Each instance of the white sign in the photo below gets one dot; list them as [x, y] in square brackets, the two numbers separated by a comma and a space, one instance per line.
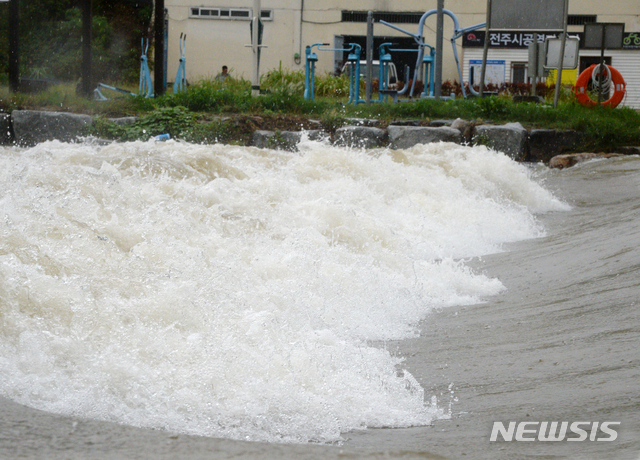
[554, 46]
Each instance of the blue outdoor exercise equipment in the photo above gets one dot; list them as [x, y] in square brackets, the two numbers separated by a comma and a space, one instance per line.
[181, 78]
[429, 60]
[146, 87]
[98, 96]
[383, 73]
[385, 60]
[310, 71]
[353, 58]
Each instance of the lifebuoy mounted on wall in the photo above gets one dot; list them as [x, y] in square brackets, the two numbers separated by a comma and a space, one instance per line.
[613, 77]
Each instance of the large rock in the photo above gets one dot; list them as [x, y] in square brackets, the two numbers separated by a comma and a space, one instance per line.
[510, 139]
[370, 122]
[439, 123]
[360, 137]
[5, 129]
[284, 140]
[569, 159]
[403, 137]
[31, 127]
[465, 127]
[547, 143]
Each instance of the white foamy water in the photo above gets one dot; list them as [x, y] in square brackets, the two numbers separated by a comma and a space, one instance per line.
[235, 292]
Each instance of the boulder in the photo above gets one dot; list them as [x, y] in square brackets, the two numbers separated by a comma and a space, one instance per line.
[360, 137]
[406, 123]
[569, 159]
[510, 139]
[547, 143]
[31, 127]
[439, 123]
[370, 122]
[403, 137]
[5, 129]
[465, 127]
[284, 140]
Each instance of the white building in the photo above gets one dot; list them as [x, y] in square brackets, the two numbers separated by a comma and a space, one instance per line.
[218, 32]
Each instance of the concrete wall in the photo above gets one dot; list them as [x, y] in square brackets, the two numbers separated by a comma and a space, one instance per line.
[212, 43]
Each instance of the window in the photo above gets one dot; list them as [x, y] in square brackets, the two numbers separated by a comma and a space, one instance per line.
[581, 19]
[394, 18]
[241, 14]
[518, 72]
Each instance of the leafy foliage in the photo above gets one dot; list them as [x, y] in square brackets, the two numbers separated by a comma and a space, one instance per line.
[175, 121]
[213, 96]
[283, 81]
[50, 35]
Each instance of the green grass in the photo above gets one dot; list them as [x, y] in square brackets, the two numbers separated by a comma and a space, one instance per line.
[189, 115]
[63, 98]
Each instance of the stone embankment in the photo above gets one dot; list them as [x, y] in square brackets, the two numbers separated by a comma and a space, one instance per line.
[28, 127]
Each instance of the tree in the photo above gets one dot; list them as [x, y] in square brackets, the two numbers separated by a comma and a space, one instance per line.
[51, 32]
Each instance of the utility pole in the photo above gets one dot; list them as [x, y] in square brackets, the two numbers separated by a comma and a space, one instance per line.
[369, 69]
[14, 71]
[556, 95]
[255, 47]
[158, 54]
[485, 49]
[439, 39]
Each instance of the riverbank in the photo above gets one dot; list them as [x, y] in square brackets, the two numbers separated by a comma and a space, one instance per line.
[225, 112]
[30, 127]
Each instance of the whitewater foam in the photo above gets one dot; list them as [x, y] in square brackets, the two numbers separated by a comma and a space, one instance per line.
[231, 291]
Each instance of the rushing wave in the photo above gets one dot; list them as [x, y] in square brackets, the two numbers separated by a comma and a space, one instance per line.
[236, 292]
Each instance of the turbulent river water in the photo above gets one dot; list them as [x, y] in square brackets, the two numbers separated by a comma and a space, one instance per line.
[325, 302]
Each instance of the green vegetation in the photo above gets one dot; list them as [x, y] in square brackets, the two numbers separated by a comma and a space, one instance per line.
[225, 111]
[51, 39]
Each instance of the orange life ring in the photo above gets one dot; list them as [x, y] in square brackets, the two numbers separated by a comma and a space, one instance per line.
[580, 89]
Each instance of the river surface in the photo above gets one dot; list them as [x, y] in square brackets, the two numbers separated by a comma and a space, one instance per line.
[169, 300]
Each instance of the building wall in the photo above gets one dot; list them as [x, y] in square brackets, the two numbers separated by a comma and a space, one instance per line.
[212, 43]
[626, 62]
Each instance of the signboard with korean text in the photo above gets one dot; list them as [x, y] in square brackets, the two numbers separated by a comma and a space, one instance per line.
[505, 39]
[522, 39]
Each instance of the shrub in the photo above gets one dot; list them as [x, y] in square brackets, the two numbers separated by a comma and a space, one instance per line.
[174, 121]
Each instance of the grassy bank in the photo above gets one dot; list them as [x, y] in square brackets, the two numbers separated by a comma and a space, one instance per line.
[213, 111]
